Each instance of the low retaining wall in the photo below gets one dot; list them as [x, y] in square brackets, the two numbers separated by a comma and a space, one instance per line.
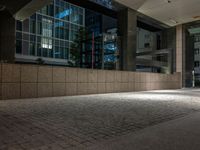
[32, 81]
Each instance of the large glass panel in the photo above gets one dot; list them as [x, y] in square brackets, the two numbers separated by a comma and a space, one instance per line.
[66, 53]
[62, 12]
[18, 46]
[62, 31]
[47, 27]
[39, 52]
[32, 48]
[26, 25]
[39, 24]
[62, 52]
[25, 47]
[191, 76]
[57, 52]
[76, 15]
[26, 37]
[105, 3]
[197, 59]
[19, 25]
[18, 35]
[47, 32]
[32, 26]
[45, 52]
[74, 32]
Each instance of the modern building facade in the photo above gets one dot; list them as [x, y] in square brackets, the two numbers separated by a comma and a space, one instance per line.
[197, 58]
[49, 33]
[105, 35]
[192, 54]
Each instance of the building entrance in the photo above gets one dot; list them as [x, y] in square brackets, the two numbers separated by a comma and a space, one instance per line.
[193, 55]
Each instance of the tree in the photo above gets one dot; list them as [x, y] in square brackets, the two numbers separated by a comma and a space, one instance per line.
[77, 46]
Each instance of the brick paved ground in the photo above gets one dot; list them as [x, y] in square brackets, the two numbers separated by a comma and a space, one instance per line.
[79, 122]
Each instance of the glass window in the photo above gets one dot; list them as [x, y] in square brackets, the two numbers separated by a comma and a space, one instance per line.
[26, 37]
[57, 3]
[33, 17]
[32, 49]
[46, 43]
[39, 28]
[62, 31]
[57, 42]
[196, 63]
[47, 10]
[51, 10]
[44, 52]
[66, 52]
[18, 35]
[62, 51]
[25, 47]
[19, 25]
[66, 31]
[63, 12]
[75, 15]
[57, 52]
[18, 46]
[32, 38]
[39, 50]
[32, 26]
[47, 27]
[26, 25]
[57, 29]
[74, 32]
[51, 53]
[38, 39]
[47, 32]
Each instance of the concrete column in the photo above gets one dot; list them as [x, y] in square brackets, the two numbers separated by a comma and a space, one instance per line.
[7, 37]
[169, 42]
[180, 51]
[127, 24]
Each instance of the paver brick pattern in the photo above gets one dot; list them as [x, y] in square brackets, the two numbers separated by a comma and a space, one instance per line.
[82, 121]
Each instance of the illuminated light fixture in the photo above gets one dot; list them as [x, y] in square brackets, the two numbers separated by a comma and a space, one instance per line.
[196, 17]
[47, 46]
[174, 21]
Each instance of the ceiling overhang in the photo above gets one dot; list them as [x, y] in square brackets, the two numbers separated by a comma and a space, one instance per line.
[22, 9]
[170, 12]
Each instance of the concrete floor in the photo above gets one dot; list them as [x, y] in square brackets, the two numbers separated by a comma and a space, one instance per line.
[178, 134]
[144, 120]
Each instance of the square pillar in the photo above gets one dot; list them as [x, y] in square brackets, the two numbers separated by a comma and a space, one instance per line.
[127, 24]
[7, 37]
[180, 52]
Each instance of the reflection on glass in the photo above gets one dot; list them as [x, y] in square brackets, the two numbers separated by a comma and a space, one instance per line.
[63, 14]
[48, 32]
[110, 51]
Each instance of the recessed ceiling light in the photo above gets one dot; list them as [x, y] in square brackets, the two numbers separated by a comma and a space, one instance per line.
[174, 21]
[168, 1]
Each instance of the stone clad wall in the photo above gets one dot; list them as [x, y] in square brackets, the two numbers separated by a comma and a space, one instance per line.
[31, 81]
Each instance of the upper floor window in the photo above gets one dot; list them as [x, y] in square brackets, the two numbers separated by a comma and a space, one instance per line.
[197, 51]
[196, 64]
